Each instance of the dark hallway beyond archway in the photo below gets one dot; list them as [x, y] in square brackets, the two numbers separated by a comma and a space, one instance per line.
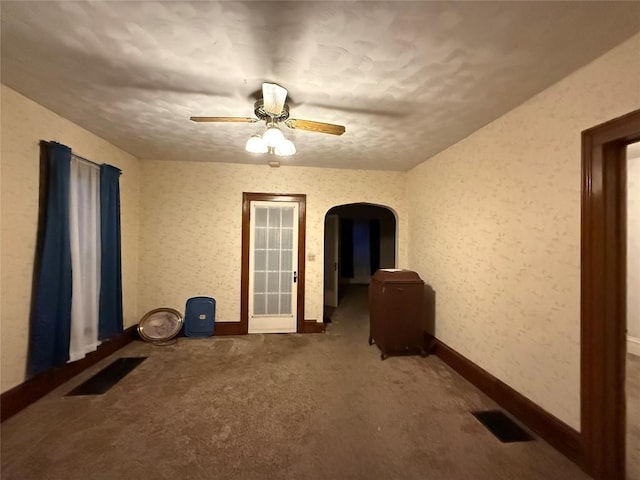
[360, 238]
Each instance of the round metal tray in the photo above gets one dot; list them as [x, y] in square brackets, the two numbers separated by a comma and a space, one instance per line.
[160, 325]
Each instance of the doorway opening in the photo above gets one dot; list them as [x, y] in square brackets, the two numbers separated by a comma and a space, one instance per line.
[604, 294]
[632, 378]
[359, 238]
[273, 266]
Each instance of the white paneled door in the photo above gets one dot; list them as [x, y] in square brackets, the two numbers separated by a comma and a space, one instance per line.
[273, 267]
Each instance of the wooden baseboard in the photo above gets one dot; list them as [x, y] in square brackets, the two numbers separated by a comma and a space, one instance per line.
[555, 432]
[228, 328]
[23, 395]
[235, 328]
[311, 326]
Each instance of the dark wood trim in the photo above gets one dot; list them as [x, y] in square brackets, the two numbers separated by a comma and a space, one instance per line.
[244, 278]
[228, 328]
[554, 431]
[247, 198]
[603, 295]
[42, 205]
[302, 252]
[23, 395]
[311, 326]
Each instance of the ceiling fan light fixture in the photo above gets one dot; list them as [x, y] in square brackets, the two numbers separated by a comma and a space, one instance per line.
[256, 144]
[272, 108]
[286, 148]
[273, 136]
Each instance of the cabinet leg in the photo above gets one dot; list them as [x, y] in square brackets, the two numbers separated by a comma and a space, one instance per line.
[370, 341]
[383, 356]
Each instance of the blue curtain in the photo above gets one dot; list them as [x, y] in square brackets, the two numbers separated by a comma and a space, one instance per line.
[51, 320]
[110, 320]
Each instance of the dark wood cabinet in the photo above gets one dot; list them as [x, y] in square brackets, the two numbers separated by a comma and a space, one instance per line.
[397, 312]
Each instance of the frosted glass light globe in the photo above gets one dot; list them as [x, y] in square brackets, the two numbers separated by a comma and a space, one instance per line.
[256, 144]
[285, 149]
[273, 136]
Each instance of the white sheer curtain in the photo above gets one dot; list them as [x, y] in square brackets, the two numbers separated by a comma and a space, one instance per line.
[84, 223]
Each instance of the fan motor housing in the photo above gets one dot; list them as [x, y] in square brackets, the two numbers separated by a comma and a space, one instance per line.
[263, 115]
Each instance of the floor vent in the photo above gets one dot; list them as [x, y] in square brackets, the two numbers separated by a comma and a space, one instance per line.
[505, 429]
[107, 377]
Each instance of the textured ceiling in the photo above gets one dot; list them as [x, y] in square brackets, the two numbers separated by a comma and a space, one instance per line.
[407, 79]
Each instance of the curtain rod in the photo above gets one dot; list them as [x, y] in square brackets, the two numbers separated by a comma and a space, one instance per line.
[85, 160]
[79, 157]
[91, 162]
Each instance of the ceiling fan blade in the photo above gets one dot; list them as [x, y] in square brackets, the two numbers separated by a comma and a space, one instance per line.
[315, 126]
[273, 98]
[224, 119]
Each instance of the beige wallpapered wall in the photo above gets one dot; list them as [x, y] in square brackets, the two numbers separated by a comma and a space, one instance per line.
[495, 229]
[24, 124]
[191, 215]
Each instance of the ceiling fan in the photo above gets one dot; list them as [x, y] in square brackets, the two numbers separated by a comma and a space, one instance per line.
[273, 109]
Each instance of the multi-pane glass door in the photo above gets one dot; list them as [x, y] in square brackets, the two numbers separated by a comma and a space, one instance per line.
[273, 267]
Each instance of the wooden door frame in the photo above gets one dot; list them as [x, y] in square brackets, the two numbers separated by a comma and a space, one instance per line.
[247, 198]
[337, 253]
[603, 295]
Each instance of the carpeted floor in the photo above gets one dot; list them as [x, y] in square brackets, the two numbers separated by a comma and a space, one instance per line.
[320, 406]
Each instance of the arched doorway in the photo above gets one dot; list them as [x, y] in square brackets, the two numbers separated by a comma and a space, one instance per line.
[359, 239]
